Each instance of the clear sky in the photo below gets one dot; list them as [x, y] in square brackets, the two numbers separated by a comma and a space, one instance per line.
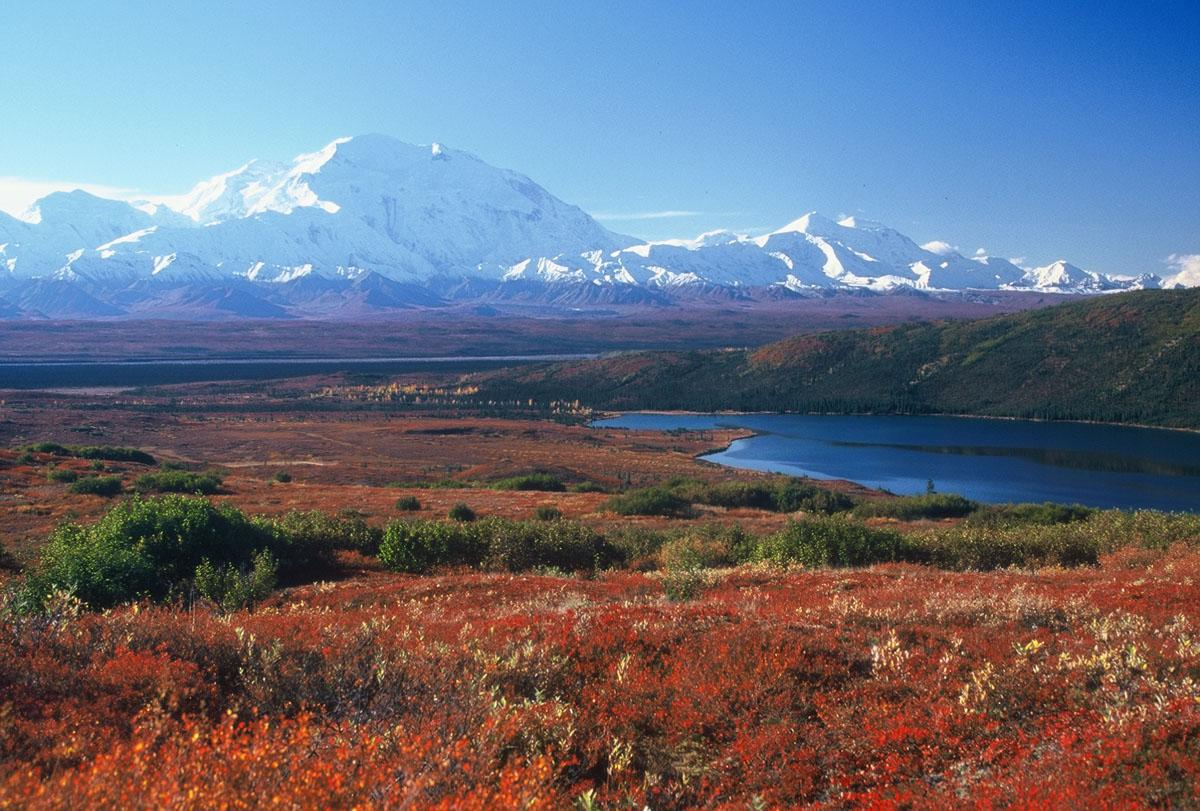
[1041, 130]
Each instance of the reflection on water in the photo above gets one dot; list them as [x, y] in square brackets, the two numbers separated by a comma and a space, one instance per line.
[1058, 457]
[987, 460]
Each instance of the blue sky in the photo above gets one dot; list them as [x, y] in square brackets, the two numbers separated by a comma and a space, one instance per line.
[1040, 130]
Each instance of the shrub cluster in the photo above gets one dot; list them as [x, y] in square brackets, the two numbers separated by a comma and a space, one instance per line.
[63, 475]
[495, 544]
[913, 508]
[105, 452]
[833, 541]
[531, 481]
[106, 486]
[153, 548]
[777, 495]
[177, 481]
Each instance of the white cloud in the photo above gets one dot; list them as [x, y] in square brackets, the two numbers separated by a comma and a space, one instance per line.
[940, 248]
[981, 252]
[1184, 270]
[17, 194]
[659, 215]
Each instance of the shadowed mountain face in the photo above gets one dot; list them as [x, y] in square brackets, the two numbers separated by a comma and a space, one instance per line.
[369, 224]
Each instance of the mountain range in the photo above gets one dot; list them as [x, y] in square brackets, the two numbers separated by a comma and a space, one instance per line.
[370, 224]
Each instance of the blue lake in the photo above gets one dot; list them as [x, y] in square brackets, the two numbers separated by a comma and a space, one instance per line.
[987, 460]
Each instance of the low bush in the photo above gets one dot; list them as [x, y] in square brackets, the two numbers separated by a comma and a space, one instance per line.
[1025, 514]
[991, 547]
[282, 477]
[461, 512]
[912, 508]
[833, 541]
[234, 587]
[531, 481]
[106, 486]
[650, 501]
[416, 547]
[696, 552]
[547, 512]
[106, 452]
[177, 481]
[408, 504]
[495, 544]
[143, 548]
[63, 475]
[587, 487]
[305, 542]
[676, 497]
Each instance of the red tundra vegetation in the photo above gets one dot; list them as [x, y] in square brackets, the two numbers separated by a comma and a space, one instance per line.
[897, 685]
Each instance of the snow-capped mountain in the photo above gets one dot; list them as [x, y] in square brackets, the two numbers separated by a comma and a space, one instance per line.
[344, 222]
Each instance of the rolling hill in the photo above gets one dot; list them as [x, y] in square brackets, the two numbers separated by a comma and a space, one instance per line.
[1128, 357]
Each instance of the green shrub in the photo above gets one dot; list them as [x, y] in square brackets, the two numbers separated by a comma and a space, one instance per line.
[587, 487]
[832, 541]
[495, 544]
[461, 512]
[650, 501]
[233, 587]
[531, 481]
[177, 481]
[697, 552]
[636, 543]
[62, 474]
[283, 477]
[682, 585]
[25, 458]
[105, 452]
[517, 546]
[106, 486]
[305, 542]
[547, 512]
[416, 547]
[408, 504]
[912, 508]
[984, 548]
[1025, 514]
[143, 548]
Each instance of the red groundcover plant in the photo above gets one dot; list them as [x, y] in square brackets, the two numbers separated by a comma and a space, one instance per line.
[893, 686]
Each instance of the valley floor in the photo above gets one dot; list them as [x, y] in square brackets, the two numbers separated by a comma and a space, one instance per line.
[759, 685]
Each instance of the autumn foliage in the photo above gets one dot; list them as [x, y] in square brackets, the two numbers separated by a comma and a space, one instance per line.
[897, 685]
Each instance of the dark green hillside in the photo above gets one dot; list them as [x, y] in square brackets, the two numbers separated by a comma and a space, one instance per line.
[1131, 357]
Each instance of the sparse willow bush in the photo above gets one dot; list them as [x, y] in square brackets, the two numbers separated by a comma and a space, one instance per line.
[1072, 543]
[531, 481]
[547, 512]
[992, 547]
[496, 544]
[105, 486]
[833, 541]
[676, 497]
[696, 552]
[636, 543]
[461, 512]
[63, 475]
[409, 504]
[1025, 514]
[912, 508]
[142, 549]
[650, 501]
[233, 587]
[177, 481]
[518, 546]
[105, 452]
[309, 539]
[416, 547]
